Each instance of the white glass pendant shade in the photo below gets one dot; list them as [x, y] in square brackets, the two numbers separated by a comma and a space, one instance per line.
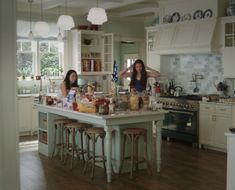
[97, 16]
[65, 22]
[30, 35]
[41, 28]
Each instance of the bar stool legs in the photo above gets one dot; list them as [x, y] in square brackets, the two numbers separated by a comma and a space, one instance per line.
[133, 134]
[72, 129]
[59, 126]
[92, 135]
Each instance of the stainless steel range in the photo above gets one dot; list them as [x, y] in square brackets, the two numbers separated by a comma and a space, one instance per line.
[182, 120]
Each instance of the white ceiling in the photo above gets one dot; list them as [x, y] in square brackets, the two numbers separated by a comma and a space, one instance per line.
[130, 9]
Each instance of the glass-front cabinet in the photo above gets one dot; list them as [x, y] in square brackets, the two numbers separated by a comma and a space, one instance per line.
[151, 38]
[91, 52]
[229, 35]
[228, 31]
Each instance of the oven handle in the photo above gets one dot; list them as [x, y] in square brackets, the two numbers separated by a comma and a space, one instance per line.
[183, 112]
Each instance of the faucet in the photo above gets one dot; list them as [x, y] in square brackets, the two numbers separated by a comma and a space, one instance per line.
[195, 78]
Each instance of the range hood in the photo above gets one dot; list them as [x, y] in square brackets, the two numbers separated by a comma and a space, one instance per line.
[189, 37]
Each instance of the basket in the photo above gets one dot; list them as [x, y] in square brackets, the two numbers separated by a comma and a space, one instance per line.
[87, 108]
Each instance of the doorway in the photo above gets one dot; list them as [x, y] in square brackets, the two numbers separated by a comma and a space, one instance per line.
[128, 60]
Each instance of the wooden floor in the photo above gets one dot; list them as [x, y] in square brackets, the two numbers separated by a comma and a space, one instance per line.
[183, 168]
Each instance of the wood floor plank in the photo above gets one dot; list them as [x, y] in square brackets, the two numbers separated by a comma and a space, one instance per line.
[183, 168]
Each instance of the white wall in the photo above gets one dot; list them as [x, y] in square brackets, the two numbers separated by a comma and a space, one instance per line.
[9, 158]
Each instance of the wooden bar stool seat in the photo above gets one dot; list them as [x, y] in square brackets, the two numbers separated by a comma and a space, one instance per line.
[59, 128]
[71, 130]
[134, 134]
[93, 134]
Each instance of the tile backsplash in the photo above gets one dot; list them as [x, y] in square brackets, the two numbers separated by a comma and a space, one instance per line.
[180, 68]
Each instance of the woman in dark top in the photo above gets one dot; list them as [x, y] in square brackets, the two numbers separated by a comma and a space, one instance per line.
[139, 75]
[70, 82]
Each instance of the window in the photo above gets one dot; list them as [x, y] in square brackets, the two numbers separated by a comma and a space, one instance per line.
[25, 57]
[129, 59]
[39, 58]
[50, 56]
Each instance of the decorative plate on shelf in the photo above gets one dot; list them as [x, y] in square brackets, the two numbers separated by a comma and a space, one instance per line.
[207, 13]
[186, 17]
[167, 19]
[198, 14]
[175, 17]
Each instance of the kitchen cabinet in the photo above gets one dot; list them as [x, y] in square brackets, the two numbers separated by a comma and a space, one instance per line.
[228, 31]
[196, 36]
[214, 120]
[91, 52]
[27, 116]
[24, 114]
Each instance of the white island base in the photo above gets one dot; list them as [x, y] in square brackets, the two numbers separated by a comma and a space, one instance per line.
[113, 126]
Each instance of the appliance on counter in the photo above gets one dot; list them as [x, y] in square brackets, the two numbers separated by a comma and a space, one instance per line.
[182, 120]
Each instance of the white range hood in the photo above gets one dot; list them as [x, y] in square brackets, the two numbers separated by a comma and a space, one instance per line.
[189, 37]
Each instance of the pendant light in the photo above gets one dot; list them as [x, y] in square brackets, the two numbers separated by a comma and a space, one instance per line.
[41, 28]
[97, 15]
[30, 35]
[65, 22]
[60, 36]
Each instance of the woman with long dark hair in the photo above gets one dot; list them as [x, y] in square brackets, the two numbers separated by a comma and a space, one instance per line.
[139, 75]
[70, 82]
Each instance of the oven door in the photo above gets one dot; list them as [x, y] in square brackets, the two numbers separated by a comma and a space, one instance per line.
[181, 121]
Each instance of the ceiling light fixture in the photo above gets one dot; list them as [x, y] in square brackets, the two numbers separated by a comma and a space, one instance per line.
[97, 15]
[60, 36]
[30, 35]
[41, 28]
[65, 22]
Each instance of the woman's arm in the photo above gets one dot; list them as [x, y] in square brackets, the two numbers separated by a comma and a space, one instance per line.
[125, 73]
[152, 72]
[63, 89]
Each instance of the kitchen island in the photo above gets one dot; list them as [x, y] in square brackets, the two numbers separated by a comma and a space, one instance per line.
[152, 120]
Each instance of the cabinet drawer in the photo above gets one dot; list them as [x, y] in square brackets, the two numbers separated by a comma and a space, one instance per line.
[225, 110]
[207, 108]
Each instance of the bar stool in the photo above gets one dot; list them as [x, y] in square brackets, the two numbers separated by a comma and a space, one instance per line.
[93, 134]
[59, 126]
[134, 134]
[72, 129]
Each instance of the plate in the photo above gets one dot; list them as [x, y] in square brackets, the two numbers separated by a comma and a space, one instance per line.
[167, 19]
[198, 14]
[175, 17]
[186, 17]
[207, 13]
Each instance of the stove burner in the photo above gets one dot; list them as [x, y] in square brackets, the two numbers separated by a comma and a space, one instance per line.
[185, 103]
[186, 97]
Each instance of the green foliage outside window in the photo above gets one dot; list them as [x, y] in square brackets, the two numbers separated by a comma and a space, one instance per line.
[50, 64]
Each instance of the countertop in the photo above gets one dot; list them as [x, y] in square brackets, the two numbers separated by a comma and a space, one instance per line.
[34, 95]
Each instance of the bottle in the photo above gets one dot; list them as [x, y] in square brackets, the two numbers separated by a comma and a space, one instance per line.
[111, 106]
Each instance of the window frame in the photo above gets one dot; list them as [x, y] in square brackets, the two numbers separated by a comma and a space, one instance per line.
[36, 64]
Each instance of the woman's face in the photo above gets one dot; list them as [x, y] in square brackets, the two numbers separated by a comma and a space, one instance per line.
[73, 77]
[138, 67]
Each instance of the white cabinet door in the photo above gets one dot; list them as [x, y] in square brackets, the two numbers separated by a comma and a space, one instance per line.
[206, 129]
[24, 114]
[228, 62]
[223, 123]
